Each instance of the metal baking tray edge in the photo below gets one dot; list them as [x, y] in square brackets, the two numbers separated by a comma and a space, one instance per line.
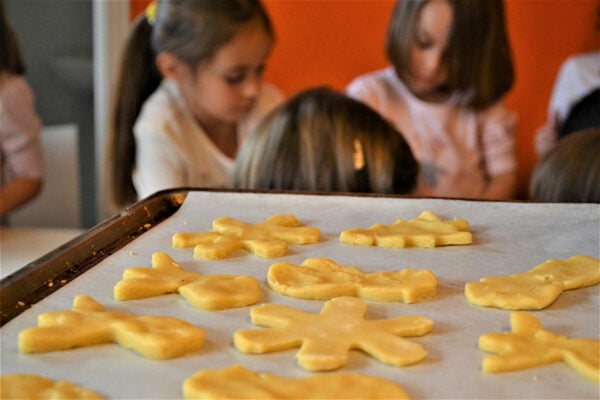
[43, 276]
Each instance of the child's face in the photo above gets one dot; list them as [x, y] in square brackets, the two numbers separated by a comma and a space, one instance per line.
[427, 69]
[225, 89]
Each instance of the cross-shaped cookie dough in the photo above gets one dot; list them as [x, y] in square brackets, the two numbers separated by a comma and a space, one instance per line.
[268, 239]
[323, 279]
[326, 338]
[427, 231]
[209, 292]
[529, 345]
[88, 324]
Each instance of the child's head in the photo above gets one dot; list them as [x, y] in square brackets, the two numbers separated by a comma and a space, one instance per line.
[458, 46]
[322, 140]
[214, 50]
[571, 171]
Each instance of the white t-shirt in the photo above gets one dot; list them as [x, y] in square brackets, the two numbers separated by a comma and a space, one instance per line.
[172, 150]
[458, 149]
[578, 76]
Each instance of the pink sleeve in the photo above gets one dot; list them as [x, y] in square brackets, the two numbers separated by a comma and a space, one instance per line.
[498, 139]
[20, 128]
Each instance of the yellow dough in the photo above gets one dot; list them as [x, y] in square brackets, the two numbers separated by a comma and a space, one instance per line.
[209, 292]
[236, 382]
[323, 279]
[427, 231]
[326, 338]
[528, 345]
[537, 288]
[268, 239]
[26, 386]
[89, 324]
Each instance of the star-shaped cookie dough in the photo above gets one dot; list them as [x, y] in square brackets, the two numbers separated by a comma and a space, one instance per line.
[237, 382]
[88, 324]
[537, 288]
[209, 292]
[426, 231]
[326, 338]
[529, 345]
[268, 239]
[323, 279]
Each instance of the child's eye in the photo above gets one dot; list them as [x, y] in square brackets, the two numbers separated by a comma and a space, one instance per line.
[235, 79]
[423, 44]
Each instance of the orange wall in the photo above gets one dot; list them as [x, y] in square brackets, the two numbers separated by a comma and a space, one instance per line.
[329, 42]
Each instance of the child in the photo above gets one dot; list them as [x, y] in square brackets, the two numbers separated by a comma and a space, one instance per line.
[190, 90]
[21, 154]
[451, 66]
[571, 171]
[322, 140]
[574, 103]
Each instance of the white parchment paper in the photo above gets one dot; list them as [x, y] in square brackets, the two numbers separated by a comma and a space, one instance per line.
[508, 238]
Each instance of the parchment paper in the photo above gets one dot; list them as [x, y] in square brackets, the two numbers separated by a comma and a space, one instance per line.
[508, 238]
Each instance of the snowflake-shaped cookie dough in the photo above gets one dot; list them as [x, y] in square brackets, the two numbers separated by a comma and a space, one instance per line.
[528, 345]
[326, 338]
[268, 239]
[537, 288]
[237, 382]
[154, 337]
[323, 279]
[427, 231]
[209, 292]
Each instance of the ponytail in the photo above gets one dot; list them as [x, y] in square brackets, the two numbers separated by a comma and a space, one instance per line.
[138, 79]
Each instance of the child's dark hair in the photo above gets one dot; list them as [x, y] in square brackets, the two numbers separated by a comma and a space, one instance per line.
[322, 140]
[571, 171]
[479, 58]
[191, 30]
[10, 54]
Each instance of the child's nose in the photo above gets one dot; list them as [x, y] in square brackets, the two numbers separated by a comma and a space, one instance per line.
[252, 86]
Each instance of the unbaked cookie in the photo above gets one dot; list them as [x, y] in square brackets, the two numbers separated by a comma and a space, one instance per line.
[323, 279]
[529, 345]
[89, 324]
[237, 382]
[268, 239]
[208, 292]
[28, 386]
[427, 231]
[537, 288]
[326, 338]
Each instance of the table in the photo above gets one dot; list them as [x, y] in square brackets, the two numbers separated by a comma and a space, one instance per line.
[19, 245]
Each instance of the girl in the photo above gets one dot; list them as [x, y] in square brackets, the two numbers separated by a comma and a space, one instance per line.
[189, 92]
[321, 140]
[21, 153]
[451, 67]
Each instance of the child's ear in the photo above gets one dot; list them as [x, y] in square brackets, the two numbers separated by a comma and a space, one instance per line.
[170, 66]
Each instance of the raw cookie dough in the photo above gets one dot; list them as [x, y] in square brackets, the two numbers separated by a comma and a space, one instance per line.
[26, 386]
[323, 279]
[537, 288]
[209, 292]
[268, 239]
[427, 231]
[529, 345]
[89, 324]
[236, 382]
[326, 338]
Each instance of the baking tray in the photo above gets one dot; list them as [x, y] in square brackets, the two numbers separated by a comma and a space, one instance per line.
[509, 237]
